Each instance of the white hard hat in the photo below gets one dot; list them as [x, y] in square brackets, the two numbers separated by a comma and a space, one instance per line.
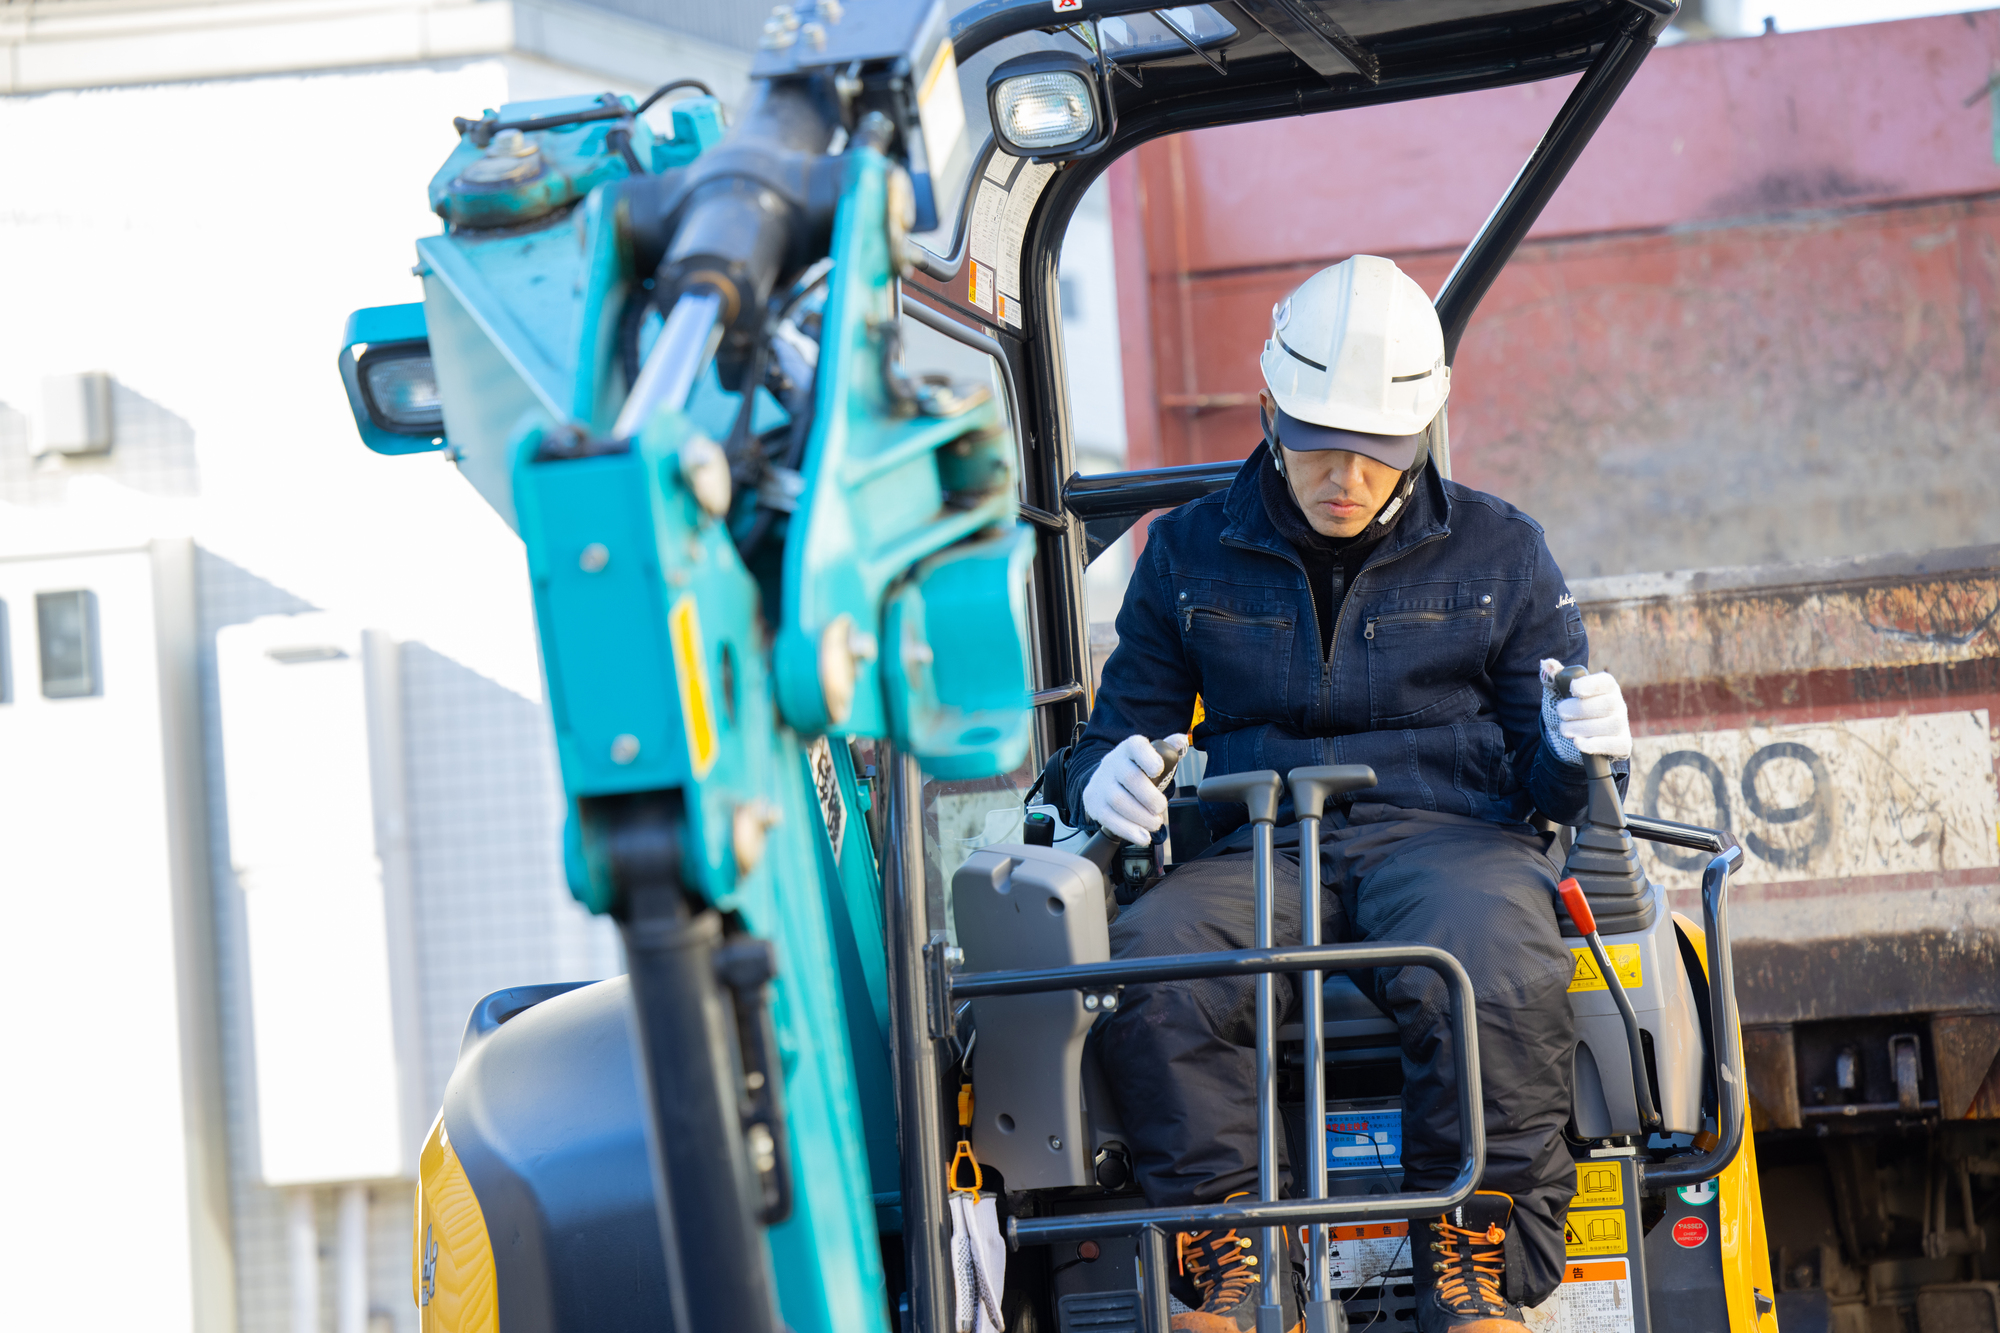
[1356, 361]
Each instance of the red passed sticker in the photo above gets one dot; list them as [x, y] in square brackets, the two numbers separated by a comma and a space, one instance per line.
[1690, 1232]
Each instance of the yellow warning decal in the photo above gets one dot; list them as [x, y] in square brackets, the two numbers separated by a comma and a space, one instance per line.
[1595, 1232]
[1624, 957]
[1601, 1270]
[1599, 1185]
[691, 674]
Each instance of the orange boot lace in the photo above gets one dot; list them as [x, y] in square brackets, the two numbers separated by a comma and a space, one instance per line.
[1220, 1262]
[1469, 1267]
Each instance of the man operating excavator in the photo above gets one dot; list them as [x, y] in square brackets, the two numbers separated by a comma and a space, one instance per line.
[1342, 603]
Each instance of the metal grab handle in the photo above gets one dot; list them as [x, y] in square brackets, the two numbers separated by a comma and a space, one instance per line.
[1258, 791]
[1247, 962]
[1311, 788]
[1731, 1113]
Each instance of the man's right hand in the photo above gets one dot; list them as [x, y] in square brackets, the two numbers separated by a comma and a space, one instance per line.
[1121, 795]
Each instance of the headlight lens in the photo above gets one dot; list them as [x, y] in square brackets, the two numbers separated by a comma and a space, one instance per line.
[403, 393]
[1045, 111]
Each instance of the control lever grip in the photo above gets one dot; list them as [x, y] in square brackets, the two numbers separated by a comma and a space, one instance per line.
[1312, 788]
[1102, 847]
[1256, 790]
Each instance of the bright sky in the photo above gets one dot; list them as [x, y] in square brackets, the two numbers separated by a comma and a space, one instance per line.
[1798, 15]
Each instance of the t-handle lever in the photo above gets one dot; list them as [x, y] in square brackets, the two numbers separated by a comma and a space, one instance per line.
[1257, 790]
[1312, 788]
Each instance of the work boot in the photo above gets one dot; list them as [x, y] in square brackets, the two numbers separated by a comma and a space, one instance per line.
[1227, 1276]
[1461, 1265]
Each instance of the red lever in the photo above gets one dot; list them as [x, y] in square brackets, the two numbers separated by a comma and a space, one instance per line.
[1578, 905]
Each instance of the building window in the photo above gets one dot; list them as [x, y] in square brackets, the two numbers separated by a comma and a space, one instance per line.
[67, 625]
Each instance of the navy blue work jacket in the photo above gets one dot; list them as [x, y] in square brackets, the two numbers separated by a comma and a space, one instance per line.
[1434, 675]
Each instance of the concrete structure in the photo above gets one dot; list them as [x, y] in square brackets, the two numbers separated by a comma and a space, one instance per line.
[1751, 327]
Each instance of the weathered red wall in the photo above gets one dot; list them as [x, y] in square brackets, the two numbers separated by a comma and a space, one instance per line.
[1751, 326]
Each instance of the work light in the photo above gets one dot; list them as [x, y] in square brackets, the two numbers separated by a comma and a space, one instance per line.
[1044, 106]
[399, 384]
[385, 362]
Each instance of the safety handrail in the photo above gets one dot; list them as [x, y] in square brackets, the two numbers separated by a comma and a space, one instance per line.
[1730, 1094]
[1252, 962]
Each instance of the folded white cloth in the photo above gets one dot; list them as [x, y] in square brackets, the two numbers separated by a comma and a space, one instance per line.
[978, 1263]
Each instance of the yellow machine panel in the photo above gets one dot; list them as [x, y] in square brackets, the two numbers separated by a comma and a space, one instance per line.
[1746, 1251]
[452, 1260]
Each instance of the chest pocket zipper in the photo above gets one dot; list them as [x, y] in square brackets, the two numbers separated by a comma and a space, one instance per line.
[1424, 617]
[1188, 613]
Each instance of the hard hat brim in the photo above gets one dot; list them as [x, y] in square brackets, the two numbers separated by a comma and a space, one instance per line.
[1397, 451]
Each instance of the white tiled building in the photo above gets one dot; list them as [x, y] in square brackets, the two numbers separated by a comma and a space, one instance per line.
[192, 198]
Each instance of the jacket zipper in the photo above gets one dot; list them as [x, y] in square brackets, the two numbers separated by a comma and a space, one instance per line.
[1402, 617]
[1346, 600]
[1230, 617]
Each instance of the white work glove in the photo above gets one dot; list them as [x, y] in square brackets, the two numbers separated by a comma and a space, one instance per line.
[1121, 796]
[1591, 721]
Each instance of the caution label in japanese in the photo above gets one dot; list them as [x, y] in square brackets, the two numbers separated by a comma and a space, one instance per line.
[1595, 1297]
[1595, 1232]
[1366, 1256]
[1624, 957]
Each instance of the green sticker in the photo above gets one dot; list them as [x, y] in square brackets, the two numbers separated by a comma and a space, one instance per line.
[1697, 1195]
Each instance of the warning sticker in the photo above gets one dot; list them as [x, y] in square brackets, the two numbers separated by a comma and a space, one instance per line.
[1595, 1297]
[1365, 1256]
[1595, 1232]
[1009, 189]
[1624, 957]
[1599, 1185]
[691, 675]
[982, 286]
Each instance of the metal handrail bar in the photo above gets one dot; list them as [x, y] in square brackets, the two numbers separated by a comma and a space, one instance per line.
[1196, 966]
[1674, 834]
[1141, 491]
[1254, 962]
[1730, 1093]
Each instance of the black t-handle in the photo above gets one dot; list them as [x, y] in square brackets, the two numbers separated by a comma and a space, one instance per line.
[1605, 806]
[1258, 790]
[1313, 787]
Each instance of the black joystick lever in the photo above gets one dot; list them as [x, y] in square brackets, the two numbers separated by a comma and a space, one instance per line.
[1603, 860]
[1103, 847]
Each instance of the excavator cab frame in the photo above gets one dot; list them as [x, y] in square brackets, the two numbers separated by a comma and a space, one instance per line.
[673, 364]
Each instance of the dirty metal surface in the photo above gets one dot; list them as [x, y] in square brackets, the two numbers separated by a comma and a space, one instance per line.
[1837, 718]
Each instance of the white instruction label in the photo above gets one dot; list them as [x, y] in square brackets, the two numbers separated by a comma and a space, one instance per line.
[1595, 1297]
[1009, 189]
[1365, 1255]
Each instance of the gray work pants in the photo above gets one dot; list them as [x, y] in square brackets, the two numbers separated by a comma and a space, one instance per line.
[1181, 1058]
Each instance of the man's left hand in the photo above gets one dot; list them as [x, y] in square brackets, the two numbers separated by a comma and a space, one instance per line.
[1592, 720]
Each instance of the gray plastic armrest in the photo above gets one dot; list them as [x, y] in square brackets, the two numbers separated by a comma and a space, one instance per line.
[1313, 787]
[1257, 790]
